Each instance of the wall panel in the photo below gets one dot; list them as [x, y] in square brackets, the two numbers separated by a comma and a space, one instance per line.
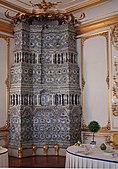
[114, 74]
[2, 82]
[95, 80]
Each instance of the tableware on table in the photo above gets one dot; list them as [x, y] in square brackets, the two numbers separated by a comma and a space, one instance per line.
[109, 152]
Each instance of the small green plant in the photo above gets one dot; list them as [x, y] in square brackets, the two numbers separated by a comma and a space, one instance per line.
[94, 127]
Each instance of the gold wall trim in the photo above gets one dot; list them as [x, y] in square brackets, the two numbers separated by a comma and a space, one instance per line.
[114, 46]
[83, 39]
[7, 39]
[101, 23]
[13, 6]
[85, 4]
[6, 27]
[7, 8]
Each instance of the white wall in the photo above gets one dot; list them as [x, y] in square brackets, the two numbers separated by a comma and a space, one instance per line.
[2, 82]
[99, 11]
[3, 76]
[96, 90]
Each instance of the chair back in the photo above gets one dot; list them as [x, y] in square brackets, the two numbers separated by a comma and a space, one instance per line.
[115, 140]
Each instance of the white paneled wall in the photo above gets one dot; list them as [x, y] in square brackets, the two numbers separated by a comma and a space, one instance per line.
[95, 74]
[3, 65]
[96, 62]
[3, 76]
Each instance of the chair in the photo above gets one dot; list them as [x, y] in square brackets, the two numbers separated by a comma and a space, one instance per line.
[115, 141]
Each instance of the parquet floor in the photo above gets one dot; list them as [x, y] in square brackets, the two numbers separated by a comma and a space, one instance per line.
[37, 162]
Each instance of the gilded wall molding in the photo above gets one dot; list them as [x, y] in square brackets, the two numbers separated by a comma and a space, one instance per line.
[114, 63]
[6, 27]
[97, 24]
[114, 36]
[83, 39]
[7, 39]
[13, 6]
[86, 4]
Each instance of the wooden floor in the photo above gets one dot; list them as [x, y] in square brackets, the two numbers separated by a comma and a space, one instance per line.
[37, 162]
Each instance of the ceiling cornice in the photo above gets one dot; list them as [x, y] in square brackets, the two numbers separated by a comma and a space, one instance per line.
[6, 27]
[13, 6]
[101, 23]
[86, 4]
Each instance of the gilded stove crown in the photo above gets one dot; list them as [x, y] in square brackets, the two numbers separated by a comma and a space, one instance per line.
[44, 12]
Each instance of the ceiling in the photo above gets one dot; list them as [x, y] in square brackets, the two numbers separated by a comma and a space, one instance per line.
[73, 6]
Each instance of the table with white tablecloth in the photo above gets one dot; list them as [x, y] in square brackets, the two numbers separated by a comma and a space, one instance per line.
[3, 157]
[76, 157]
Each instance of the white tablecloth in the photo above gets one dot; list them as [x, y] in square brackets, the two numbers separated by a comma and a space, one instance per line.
[3, 157]
[95, 159]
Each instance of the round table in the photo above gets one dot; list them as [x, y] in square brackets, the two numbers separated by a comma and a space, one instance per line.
[77, 157]
[3, 157]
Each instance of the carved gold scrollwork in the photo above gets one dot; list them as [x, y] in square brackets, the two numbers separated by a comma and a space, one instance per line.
[84, 126]
[107, 80]
[108, 125]
[44, 12]
[115, 109]
[115, 87]
[83, 83]
[7, 83]
[45, 5]
[114, 36]
[5, 128]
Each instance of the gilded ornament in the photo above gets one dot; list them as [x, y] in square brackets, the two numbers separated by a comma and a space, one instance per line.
[56, 148]
[43, 13]
[34, 150]
[115, 89]
[5, 128]
[45, 5]
[108, 125]
[20, 152]
[45, 147]
[114, 36]
[107, 80]
[83, 82]
[115, 109]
